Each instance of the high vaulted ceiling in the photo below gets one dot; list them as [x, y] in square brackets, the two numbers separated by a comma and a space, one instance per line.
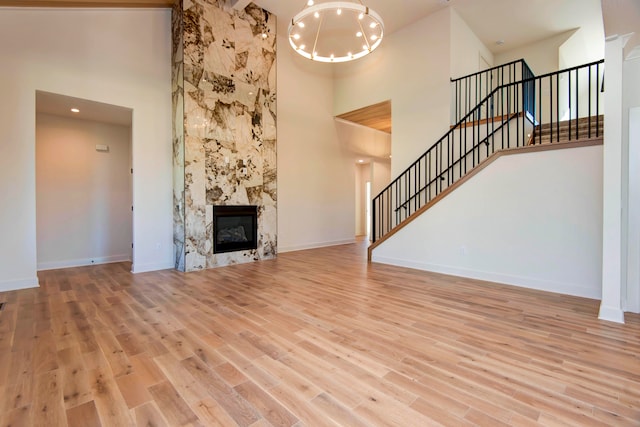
[516, 22]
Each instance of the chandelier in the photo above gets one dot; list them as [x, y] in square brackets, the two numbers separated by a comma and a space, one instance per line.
[335, 31]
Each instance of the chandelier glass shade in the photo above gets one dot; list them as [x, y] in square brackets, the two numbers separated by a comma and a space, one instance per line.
[335, 31]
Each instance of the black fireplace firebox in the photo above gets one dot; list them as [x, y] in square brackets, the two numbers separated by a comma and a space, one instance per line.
[235, 228]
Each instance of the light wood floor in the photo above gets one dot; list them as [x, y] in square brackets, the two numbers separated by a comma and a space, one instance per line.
[315, 338]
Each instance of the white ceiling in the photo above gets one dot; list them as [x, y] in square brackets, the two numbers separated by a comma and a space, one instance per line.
[622, 17]
[517, 22]
[61, 105]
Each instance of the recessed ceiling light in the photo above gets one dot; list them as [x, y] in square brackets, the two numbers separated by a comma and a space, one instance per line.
[360, 161]
[75, 110]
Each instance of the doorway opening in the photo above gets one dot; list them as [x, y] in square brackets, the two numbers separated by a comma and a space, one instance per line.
[84, 209]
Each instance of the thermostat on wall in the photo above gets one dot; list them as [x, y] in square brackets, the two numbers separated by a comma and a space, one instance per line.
[102, 147]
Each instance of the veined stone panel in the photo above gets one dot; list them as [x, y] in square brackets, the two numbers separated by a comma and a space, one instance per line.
[177, 94]
[229, 126]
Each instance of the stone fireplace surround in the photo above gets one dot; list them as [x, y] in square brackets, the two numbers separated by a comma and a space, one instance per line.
[224, 92]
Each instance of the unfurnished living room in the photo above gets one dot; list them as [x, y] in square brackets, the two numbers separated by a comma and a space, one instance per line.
[320, 213]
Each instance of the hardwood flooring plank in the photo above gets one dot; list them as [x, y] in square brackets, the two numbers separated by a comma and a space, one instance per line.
[84, 415]
[338, 413]
[133, 390]
[18, 417]
[149, 415]
[312, 338]
[172, 406]
[75, 388]
[47, 403]
[110, 404]
[269, 408]
[190, 389]
[233, 403]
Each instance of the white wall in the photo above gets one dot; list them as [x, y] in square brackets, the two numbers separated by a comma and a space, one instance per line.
[631, 146]
[541, 56]
[466, 48]
[363, 175]
[316, 179]
[531, 220]
[380, 176]
[120, 57]
[633, 235]
[411, 68]
[584, 46]
[83, 196]
[363, 142]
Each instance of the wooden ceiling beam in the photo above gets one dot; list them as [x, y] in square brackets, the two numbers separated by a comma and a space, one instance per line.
[88, 3]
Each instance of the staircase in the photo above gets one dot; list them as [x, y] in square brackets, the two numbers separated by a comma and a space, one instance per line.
[502, 108]
[568, 130]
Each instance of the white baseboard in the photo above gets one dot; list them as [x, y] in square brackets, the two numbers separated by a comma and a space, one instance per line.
[53, 265]
[507, 279]
[14, 285]
[612, 314]
[283, 249]
[151, 266]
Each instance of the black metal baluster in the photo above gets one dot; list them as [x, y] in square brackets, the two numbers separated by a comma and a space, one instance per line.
[538, 102]
[418, 185]
[460, 148]
[577, 104]
[373, 219]
[597, 100]
[449, 157]
[589, 109]
[569, 106]
[557, 106]
[428, 182]
[550, 110]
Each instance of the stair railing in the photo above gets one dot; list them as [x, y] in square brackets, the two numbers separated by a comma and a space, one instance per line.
[567, 104]
[519, 110]
[469, 90]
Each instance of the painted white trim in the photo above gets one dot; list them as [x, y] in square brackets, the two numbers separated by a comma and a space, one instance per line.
[152, 266]
[82, 262]
[14, 285]
[315, 245]
[507, 279]
[611, 314]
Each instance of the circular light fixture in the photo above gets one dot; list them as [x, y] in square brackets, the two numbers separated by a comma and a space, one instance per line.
[334, 31]
[75, 110]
